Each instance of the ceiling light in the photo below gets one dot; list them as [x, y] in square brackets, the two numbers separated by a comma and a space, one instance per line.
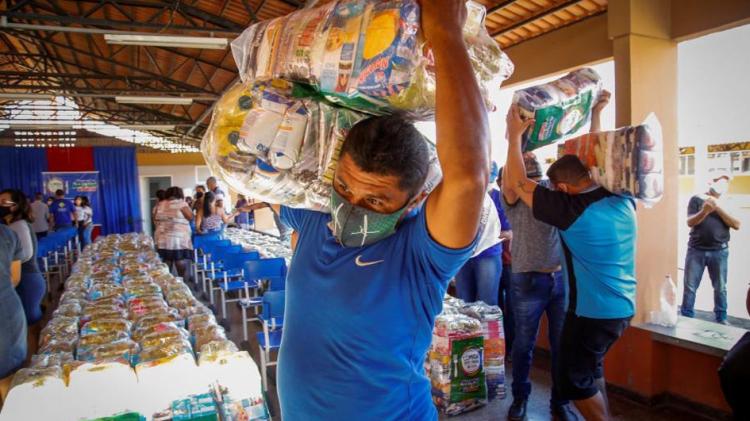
[164, 127]
[171, 100]
[168, 41]
[31, 97]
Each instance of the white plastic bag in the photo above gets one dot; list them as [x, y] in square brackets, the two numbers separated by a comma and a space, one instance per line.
[666, 315]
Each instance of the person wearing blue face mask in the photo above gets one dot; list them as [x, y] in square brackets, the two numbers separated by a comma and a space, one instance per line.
[708, 247]
[366, 282]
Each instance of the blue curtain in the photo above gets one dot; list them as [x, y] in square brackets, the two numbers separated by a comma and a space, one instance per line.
[118, 177]
[21, 168]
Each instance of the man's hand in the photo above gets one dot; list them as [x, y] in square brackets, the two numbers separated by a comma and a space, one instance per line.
[443, 19]
[516, 125]
[709, 205]
[596, 111]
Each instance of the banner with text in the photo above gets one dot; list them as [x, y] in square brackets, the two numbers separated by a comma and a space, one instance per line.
[75, 184]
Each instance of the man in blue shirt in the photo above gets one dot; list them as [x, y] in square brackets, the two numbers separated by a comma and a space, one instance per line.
[63, 211]
[598, 233]
[366, 282]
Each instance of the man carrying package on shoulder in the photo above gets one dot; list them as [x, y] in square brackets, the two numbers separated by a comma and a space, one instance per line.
[598, 236]
[368, 280]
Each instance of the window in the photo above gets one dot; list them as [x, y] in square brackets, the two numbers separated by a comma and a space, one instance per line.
[687, 165]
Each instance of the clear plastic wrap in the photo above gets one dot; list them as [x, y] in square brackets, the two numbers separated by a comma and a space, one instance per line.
[51, 360]
[627, 161]
[214, 350]
[559, 108]
[365, 55]
[158, 328]
[491, 318]
[123, 351]
[163, 354]
[105, 325]
[101, 338]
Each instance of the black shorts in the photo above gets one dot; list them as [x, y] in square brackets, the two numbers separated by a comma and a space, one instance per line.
[583, 345]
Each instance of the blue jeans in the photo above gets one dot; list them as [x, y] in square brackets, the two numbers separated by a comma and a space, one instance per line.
[716, 262]
[506, 305]
[479, 279]
[84, 234]
[533, 293]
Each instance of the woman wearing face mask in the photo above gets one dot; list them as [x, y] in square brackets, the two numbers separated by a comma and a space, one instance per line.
[84, 220]
[16, 213]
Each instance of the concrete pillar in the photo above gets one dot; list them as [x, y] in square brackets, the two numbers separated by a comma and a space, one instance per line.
[646, 81]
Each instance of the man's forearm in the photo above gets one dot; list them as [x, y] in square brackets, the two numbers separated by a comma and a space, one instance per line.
[728, 219]
[463, 149]
[696, 219]
[596, 123]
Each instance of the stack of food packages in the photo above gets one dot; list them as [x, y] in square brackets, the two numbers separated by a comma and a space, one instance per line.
[627, 161]
[466, 362]
[310, 76]
[559, 108]
[266, 245]
[121, 305]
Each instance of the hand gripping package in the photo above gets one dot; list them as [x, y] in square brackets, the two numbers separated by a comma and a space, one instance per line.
[626, 161]
[559, 108]
[366, 55]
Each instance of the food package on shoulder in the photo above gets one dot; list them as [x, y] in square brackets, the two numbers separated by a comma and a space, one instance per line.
[627, 161]
[364, 55]
[559, 108]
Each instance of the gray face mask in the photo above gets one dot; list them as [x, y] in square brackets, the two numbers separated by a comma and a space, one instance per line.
[354, 226]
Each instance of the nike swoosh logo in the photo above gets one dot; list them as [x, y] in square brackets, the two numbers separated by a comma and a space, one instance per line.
[362, 264]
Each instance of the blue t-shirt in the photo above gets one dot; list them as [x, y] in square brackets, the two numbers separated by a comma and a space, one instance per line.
[61, 210]
[598, 231]
[358, 322]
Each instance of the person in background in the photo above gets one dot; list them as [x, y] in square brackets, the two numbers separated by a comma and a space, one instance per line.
[244, 219]
[84, 220]
[189, 201]
[598, 233]
[734, 374]
[50, 200]
[63, 211]
[16, 213]
[536, 287]
[503, 297]
[708, 247]
[479, 278]
[161, 195]
[13, 336]
[214, 188]
[200, 188]
[198, 202]
[211, 216]
[173, 238]
[40, 212]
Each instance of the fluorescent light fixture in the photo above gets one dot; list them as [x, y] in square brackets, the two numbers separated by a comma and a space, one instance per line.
[148, 126]
[41, 126]
[170, 100]
[168, 41]
[30, 97]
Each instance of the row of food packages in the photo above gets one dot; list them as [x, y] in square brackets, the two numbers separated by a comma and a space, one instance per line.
[121, 304]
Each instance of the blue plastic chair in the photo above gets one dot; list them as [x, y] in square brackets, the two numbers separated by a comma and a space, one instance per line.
[273, 271]
[270, 339]
[231, 277]
[205, 263]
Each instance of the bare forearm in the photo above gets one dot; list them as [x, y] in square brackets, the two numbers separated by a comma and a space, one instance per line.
[596, 123]
[696, 219]
[521, 185]
[463, 149]
[728, 219]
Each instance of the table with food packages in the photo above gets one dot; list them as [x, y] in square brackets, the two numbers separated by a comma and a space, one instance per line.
[129, 341]
[268, 246]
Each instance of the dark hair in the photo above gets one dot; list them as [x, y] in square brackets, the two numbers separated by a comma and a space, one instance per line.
[85, 202]
[38, 196]
[569, 169]
[208, 200]
[161, 194]
[23, 208]
[59, 192]
[211, 179]
[175, 192]
[199, 195]
[200, 186]
[389, 145]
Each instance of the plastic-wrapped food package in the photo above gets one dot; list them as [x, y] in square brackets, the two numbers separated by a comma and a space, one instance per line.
[159, 318]
[59, 344]
[36, 376]
[626, 161]
[208, 333]
[211, 351]
[365, 55]
[51, 360]
[161, 354]
[101, 338]
[156, 339]
[199, 320]
[559, 108]
[457, 364]
[491, 318]
[105, 325]
[123, 351]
